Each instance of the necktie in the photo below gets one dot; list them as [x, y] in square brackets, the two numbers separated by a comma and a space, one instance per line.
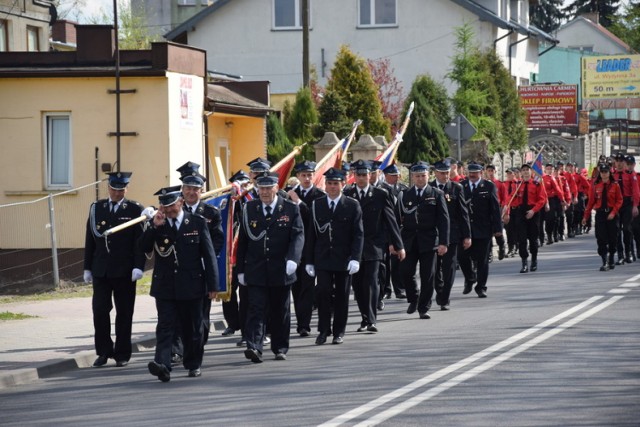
[440, 186]
[473, 187]
[605, 203]
[303, 193]
[189, 209]
[525, 194]
[419, 192]
[332, 206]
[174, 226]
[361, 194]
[112, 206]
[267, 210]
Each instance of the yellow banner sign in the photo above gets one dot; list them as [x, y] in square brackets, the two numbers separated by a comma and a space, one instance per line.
[613, 76]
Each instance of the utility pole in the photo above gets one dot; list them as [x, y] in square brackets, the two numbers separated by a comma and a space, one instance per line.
[305, 43]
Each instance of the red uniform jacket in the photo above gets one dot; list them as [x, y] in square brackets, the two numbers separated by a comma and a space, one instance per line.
[572, 184]
[582, 183]
[536, 195]
[628, 183]
[614, 198]
[552, 187]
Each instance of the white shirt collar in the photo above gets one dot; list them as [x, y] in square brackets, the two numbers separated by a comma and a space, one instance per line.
[273, 204]
[179, 218]
[193, 207]
[336, 200]
[365, 189]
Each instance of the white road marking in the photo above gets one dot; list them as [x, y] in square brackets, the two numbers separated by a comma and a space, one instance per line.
[619, 291]
[403, 406]
[382, 400]
[634, 278]
[630, 285]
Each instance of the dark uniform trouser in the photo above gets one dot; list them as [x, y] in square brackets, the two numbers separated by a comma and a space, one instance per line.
[552, 217]
[579, 212]
[188, 313]
[427, 277]
[124, 297]
[396, 277]
[366, 289]
[478, 252]
[332, 295]
[528, 232]
[270, 304]
[512, 231]
[606, 234]
[635, 227]
[235, 310]
[446, 274]
[569, 214]
[303, 290]
[625, 235]
[384, 274]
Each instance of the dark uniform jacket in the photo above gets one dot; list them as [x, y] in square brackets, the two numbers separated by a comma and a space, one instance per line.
[458, 208]
[118, 254]
[211, 214]
[378, 221]
[424, 220]
[334, 238]
[484, 209]
[185, 266]
[265, 246]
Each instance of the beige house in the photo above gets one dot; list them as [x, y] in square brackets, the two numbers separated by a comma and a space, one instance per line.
[24, 25]
[58, 121]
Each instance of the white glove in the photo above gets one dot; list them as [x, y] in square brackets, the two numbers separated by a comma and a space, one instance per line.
[291, 267]
[136, 274]
[353, 267]
[87, 276]
[241, 279]
[149, 212]
[310, 269]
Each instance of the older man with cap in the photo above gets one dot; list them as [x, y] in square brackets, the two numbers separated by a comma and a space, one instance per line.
[192, 186]
[185, 273]
[303, 288]
[394, 186]
[270, 245]
[486, 222]
[113, 264]
[334, 241]
[425, 234]
[380, 226]
[459, 232]
[530, 199]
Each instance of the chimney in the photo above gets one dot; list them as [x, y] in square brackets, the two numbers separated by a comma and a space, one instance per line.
[64, 31]
[96, 44]
[592, 16]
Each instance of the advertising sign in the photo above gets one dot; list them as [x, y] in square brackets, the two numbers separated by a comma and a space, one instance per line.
[550, 106]
[611, 77]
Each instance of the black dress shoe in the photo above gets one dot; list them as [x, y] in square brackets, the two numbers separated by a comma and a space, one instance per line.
[413, 306]
[467, 287]
[605, 267]
[253, 355]
[372, 328]
[534, 266]
[100, 361]
[228, 331]
[380, 305]
[444, 307]
[121, 363]
[160, 371]
[241, 343]
[425, 315]
[525, 268]
[304, 332]
[501, 253]
[628, 259]
[362, 328]
[481, 293]
[193, 373]
[321, 339]
[387, 295]
[401, 296]
[337, 340]
[281, 356]
[620, 261]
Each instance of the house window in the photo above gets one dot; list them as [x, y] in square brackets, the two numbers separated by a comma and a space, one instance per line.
[287, 14]
[58, 150]
[4, 43]
[186, 2]
[33, 39]
[377, 13]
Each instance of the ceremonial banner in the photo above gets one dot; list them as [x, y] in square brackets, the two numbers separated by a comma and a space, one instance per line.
[334, 157]
[225, 204]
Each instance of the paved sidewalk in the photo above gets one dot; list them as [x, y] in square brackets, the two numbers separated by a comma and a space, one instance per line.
[61, 336]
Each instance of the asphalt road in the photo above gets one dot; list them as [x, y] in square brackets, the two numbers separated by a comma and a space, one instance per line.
[559, 347]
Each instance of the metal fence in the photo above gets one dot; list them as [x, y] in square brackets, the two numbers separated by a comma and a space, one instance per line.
[41, 240]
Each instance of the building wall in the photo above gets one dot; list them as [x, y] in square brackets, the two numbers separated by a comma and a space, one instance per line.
[582, 34]
[19, 15]
[422, 43]
[152, 112]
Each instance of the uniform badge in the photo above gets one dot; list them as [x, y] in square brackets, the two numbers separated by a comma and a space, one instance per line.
[103, 222]
[166, 241]
[254, 224]
[186, 220]
[446, 196]
[162, 248]
[410, 203]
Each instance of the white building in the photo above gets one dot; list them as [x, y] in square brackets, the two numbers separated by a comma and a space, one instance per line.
[262, 39]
